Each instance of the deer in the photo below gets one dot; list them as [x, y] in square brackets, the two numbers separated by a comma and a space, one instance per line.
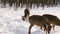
[26, 14]
[54, 20]
[36, 20]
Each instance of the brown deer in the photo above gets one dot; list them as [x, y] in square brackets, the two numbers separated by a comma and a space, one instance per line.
[52, 19]
[26, 14]
[36, 20]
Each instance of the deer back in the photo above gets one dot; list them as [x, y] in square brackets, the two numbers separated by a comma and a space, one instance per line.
[52, 19]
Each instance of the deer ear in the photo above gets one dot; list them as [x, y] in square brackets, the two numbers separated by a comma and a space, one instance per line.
[23, 18]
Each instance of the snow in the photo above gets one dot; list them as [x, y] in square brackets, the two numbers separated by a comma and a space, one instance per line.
[11, 21]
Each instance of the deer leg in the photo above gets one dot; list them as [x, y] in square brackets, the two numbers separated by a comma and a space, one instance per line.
[49, 29]
[41, 28]
[53, 27]
[45, 28]
[30, 29]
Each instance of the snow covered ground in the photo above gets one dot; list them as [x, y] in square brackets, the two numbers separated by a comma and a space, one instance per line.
[11, 21]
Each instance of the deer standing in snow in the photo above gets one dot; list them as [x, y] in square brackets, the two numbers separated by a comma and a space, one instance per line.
[36, 20]
[52, 20]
